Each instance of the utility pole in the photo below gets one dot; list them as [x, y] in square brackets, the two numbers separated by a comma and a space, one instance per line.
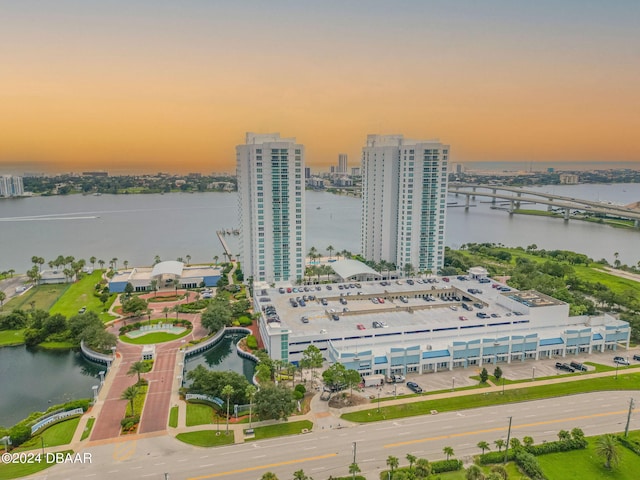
[506, 450]
[626, 428]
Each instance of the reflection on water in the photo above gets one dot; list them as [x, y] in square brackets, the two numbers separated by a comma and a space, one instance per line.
[223, 357]
[34, 379]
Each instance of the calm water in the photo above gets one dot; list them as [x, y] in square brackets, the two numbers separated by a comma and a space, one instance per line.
[33, 380]
[138, 227]
[223, 357]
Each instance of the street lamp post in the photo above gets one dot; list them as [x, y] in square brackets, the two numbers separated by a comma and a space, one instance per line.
[378, 400]
[42, 443]
[502, 385]
[354, 459]
[617, 364]
[533, 374]
[453, 383]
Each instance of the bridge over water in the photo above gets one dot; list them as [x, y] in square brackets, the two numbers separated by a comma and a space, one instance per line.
[517, 196]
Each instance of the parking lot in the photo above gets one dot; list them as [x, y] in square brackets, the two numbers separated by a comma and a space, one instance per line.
[529, 369]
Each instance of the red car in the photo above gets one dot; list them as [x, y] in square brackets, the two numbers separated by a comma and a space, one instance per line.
[360, 326]
[463, 318]
[445, 279]
[381, 300]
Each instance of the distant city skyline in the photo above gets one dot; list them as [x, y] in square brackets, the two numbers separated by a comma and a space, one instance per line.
[163, 86]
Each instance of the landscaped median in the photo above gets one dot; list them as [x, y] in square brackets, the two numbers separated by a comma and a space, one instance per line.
[627, 381]
[281, 429]
[207, 438]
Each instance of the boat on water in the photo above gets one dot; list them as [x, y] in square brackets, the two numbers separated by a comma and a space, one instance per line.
[317, 208]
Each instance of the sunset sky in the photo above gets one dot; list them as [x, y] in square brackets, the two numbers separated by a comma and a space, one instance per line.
[174, 85]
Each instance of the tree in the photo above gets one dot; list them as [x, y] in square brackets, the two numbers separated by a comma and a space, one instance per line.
[250, 392]
[392, 463]
[483, 446]
[500, 443]
[330, 249]
[139, 367]
[130, 394]
[334, 376]
[114, 262]
[104, 298]
[353, 469]
[300, 475]
[126, 264]
[274, 402]
[527, 441]
[500, 472]
[484, 376]
[227, 391]
[156, 259]
[263, 372]
[134, 304]
[269, 476]
[176, 309]
[217, 315]
[92, 261]
[188, 257]
[423, 468]
[474, 472]
[607, 448]
[352, 379]
[497, 372]
[411, 459]
[3, 296]
[128, 289]
[101, 263]
[564, 435]
[448, 451]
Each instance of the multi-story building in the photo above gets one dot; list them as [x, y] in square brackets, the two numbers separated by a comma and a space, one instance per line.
[270, 173]
[11, 186]
[342, 163]
[404, 188]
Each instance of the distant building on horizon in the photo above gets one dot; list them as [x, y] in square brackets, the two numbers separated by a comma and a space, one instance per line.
[404, 189]
[95, 174]
[11, 186]
[271, 193]
[342, 163]
[569, 179]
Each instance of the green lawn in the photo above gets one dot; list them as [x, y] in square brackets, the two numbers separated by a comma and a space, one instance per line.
[585, 464]
[11, 337]
[16, 470]
[81, 294]
[58, 434]
[628, 381]
[156, 337]
[173, 417]
[281, 429]
[198, 414]
[57, 345]
[512, 471]
[44, 297]
[87, 428]
[593, 274]
[206, 438]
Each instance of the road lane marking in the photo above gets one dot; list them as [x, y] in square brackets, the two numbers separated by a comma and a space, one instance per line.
[124, 451]
[503, 428]
[265, 467]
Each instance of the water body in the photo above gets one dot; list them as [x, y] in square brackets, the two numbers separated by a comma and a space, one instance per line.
[138, 227]
[33, 380]
[223, 357]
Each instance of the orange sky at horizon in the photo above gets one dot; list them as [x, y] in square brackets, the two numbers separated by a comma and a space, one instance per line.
[183, 106]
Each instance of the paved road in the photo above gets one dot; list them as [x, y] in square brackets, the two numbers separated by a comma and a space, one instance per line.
[329, 452]
[155, 415]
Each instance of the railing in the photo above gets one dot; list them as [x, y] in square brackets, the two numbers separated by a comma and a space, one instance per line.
[54, 418]
[204, 398]
[210, 342]
[95, 356]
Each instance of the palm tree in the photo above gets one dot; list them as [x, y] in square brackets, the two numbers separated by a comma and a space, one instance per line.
[114, 261]
[227, 391]
[101, 263]
[483, 446]
[250, 392]
[137, 368]
[527, 441]
[474, 472]
[130, 393]
[300, 475]
[154, 287]
[448, 451]
[156, 259]
[423, 468]
[176, 308]
[92, 261]
[411, 459]
[2, 298]
[166, 311]
[353, 469]
[607, 448]
[330, 249]
[499, 443]
[268, 476]
[564, 435]
[392, 463]
[11, 271]
[188, 257]
[215, 259]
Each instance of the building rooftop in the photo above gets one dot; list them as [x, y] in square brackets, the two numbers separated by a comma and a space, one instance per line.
[531, 298]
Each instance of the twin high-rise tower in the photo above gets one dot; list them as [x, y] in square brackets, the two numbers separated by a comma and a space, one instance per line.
[404, 188]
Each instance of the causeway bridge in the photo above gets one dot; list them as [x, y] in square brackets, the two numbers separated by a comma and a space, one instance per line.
[517, 196]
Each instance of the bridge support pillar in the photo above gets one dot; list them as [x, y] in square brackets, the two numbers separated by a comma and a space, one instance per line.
[549, 208]
[466, 205]
[566, 214]
[493, 200]
[474, 191]
[636, 223]
[511, 207]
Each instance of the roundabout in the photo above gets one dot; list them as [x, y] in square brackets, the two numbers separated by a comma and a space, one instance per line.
[155, 333]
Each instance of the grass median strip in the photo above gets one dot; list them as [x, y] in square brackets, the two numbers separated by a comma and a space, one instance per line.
[87, 429]
[629, 381]
[198, 414]
[173, 417]
[281, 429]
[206, 438]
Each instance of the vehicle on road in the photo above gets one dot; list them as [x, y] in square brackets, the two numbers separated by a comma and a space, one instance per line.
[361, 326]
[463, 318]
[621, 361]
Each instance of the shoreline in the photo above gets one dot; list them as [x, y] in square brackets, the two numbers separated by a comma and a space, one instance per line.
[599, 221]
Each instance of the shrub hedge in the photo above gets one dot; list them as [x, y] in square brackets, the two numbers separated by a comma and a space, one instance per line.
[441, 466]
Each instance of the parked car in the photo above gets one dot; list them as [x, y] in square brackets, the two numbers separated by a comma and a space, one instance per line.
[335, 317]
[463, 318]
[82, 310]
[578, 366]
[360, 326]
[304, 319]
[414, 387]
[621, 361]
[636, 358]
